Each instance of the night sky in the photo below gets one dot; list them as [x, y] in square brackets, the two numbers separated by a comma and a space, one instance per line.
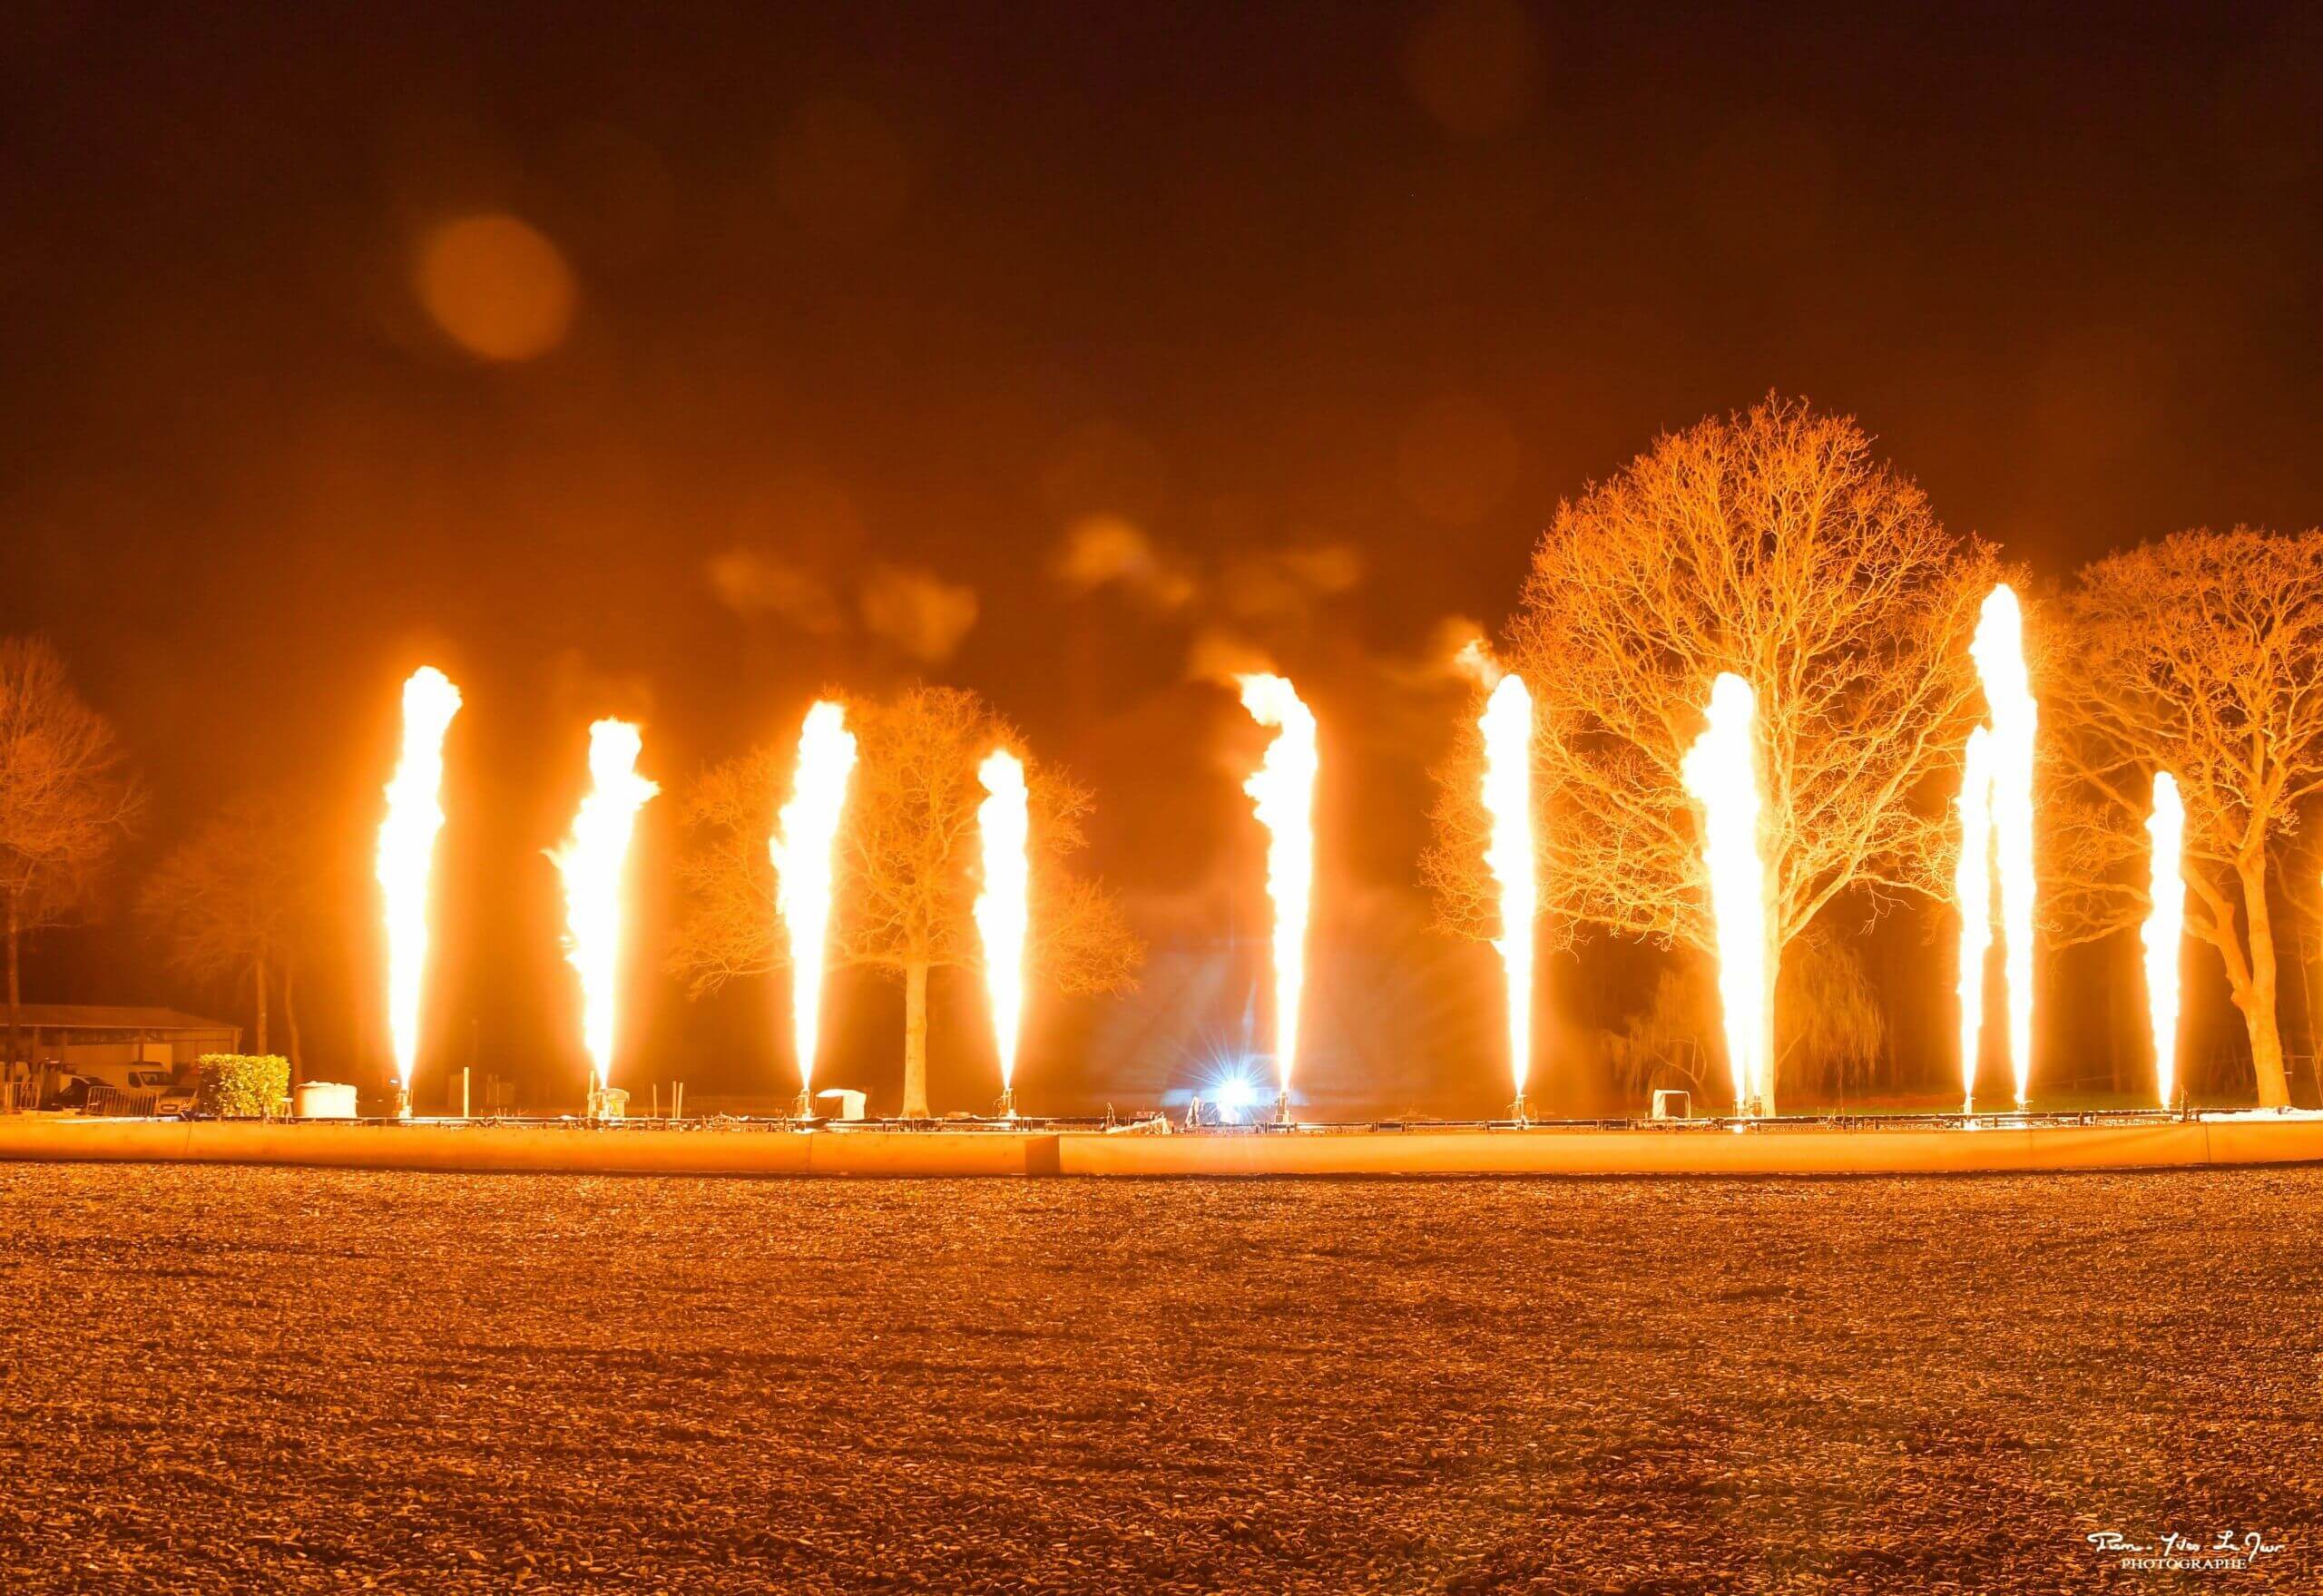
[681, 362]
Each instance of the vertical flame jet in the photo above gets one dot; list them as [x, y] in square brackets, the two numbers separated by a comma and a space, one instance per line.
[1999, 653]
[1282, 793]
[1722, 772]
[2165, 928]
[1510, 855]
[407, 858]
[804, 846]
[593, 861]
[1004, 908]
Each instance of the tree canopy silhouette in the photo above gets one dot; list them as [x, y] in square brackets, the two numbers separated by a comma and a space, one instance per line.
[236, 902]
[66, 800]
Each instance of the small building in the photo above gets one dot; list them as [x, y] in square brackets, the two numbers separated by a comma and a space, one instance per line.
[86, 1037]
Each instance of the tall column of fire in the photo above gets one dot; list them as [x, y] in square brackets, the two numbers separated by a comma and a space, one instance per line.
[2164, 930]
[1004, 908]
[1972, 888]
[1998, 650]
[407, 858]
[804, 847]
[593, 861]
[1722, 772]
[1282, 793]
[1509, 855]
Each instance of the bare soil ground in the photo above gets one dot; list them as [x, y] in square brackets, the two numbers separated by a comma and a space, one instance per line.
[222, 1379]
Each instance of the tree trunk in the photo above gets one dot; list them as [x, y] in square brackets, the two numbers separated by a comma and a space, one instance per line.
[290, 1022]
[259, 981]
[914, 1041]
[2258, 1001]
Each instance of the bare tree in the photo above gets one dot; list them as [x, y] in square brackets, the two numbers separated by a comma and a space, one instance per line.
[233, 904]
[2200, 655]
[907, 870]
[66, 801]
[1771, 544]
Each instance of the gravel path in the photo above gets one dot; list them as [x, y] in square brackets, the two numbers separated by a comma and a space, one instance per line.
[233, 1379]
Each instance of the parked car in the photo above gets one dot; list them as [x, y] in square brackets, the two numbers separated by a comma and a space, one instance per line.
[176, 1102]
[66, 1090]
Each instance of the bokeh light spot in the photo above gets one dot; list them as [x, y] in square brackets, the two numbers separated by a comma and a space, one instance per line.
[1474, 65]
[497, 287]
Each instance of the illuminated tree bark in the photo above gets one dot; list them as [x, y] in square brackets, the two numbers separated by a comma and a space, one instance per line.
[914, 1041]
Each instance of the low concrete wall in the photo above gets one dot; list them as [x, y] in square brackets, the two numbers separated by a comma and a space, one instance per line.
[1772, 1150]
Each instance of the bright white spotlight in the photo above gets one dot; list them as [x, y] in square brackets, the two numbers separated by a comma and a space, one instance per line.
[1234, 1096]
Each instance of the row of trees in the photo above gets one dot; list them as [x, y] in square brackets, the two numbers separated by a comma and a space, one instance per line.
[238, 903]
[1775, 544]
[1772, 543]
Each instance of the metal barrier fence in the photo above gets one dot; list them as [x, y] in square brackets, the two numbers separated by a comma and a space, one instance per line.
[119, 1102]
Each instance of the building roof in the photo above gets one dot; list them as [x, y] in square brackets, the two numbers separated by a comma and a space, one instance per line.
[98, 1016]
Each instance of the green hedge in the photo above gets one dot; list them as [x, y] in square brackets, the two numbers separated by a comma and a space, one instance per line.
[242, 1085]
